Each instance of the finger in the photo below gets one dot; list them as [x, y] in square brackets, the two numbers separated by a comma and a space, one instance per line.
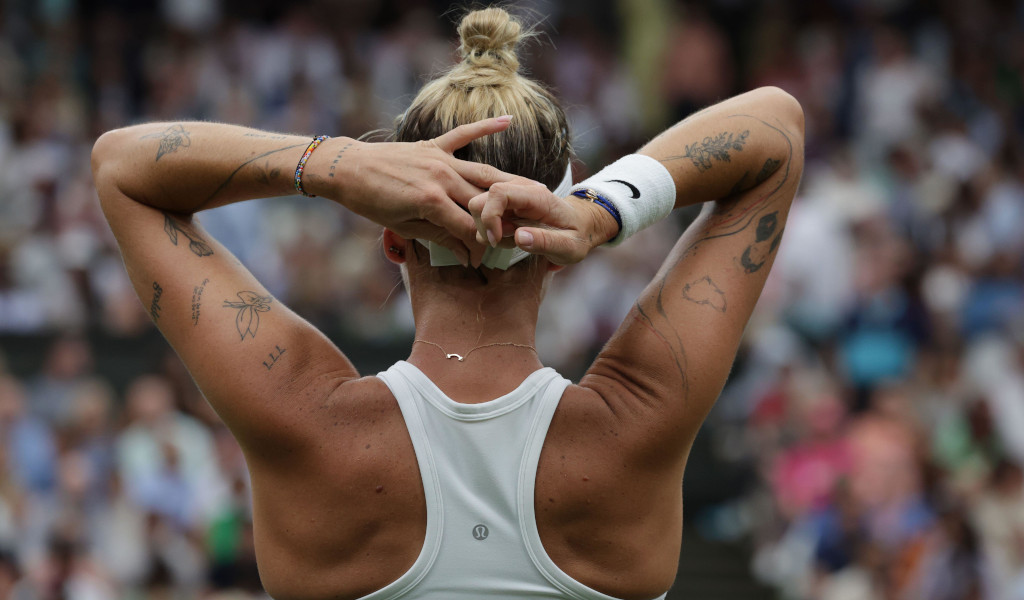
[522, 202]
[423, 230]
[481, 175]
[464, 134]
[560, 247]
[445, 213]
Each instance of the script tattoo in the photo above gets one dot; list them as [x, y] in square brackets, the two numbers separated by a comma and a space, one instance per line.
[265, 136]
[196, 244]
[247, 321]
[713, 147]
[197, 300]
[704, 291]
[172, 138]
[273, 358]
[154, 305]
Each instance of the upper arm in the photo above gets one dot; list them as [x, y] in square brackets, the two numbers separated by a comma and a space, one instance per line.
[258, 364]
[670, 358]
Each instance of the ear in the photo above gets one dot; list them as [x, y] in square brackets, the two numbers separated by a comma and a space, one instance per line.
[395, 246]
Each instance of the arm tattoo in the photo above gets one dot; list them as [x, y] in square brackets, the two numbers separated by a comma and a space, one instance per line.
[197, 300]
[704, 291]
[196, 244]
[231, 176]
[273, 358]
[265, 174]
[337, 158]
[265, 136]
[154, 305]
[247, 321]
[172, 138]
[770, 166]
[756, 254]
[717, 147]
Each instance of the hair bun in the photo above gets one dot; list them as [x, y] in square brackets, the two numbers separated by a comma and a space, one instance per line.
[490, 36]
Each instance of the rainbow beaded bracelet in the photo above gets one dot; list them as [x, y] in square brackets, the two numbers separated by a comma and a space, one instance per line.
[302, 164]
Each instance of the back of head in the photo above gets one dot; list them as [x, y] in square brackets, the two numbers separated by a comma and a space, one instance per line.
[487, 83]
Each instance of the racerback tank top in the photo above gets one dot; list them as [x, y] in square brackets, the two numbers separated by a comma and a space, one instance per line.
[478, 463]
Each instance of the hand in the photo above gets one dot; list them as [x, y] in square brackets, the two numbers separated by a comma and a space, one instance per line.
[564, 230]
[418, 190]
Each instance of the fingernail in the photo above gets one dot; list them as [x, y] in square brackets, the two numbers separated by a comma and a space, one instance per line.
[524, 238]
[490, 238]
[480, 238]
[504, 118]
[464, 259]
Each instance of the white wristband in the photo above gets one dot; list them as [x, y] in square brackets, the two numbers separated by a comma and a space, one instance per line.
[639, 187]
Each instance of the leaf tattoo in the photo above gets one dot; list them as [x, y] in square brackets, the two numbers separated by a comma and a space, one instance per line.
[713, 147]
[247, 321]
[195, 243]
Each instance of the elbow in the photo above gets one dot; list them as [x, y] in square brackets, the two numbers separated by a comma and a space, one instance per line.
[104, 152]
[786, 108]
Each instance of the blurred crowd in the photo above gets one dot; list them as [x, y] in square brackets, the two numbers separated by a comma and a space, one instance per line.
[878, 400]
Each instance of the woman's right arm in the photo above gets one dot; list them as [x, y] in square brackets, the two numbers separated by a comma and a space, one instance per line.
[668, 361]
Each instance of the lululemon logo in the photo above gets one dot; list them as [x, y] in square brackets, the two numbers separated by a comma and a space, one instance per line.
[480, 532]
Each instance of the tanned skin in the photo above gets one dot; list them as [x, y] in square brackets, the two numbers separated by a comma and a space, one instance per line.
[338, 502]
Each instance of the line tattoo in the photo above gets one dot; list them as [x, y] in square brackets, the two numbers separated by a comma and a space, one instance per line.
[274, 357]
[172, 138]
[705, 292]
[196, 244]
[337, 158]
[247, 321]
[197, 300]
[713, 147]
[154, 305]
[231, 176]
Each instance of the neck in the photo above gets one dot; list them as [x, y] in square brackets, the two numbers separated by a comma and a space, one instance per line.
[500, 324]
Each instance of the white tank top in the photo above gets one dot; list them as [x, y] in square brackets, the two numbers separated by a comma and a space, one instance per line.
[478, 463]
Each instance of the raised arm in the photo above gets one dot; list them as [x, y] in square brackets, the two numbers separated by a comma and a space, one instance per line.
[674, 351]
[257, 362]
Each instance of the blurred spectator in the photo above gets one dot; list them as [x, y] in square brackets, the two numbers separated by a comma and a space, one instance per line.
[878, 398]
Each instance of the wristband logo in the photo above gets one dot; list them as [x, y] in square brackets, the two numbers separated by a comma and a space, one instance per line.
[632, 188]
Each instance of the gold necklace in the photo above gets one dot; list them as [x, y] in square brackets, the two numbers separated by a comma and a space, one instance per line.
[462, 358]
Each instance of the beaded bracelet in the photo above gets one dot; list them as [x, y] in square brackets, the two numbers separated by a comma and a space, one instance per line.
[598, 199]
[302, 164]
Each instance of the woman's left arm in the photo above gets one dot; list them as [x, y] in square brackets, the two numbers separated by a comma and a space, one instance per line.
[256, 361]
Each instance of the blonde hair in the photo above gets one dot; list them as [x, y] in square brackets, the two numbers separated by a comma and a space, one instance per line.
[487, 83]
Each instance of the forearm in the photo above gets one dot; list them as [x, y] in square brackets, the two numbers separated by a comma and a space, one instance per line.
[190, 166]
[730, 147]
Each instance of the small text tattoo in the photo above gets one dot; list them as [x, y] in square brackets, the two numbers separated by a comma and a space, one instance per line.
[704, 291]
[770, 166]
[337, 158]
[273, 358]
[197, 300]
[172, 138]
[196, 244]
[265, 136]
[247, 320]
[154, 306]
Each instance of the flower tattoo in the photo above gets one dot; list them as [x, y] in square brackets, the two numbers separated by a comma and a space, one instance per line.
[195, 243]
[247, 321]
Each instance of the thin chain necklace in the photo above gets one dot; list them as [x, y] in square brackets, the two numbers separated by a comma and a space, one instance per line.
[462, 358]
